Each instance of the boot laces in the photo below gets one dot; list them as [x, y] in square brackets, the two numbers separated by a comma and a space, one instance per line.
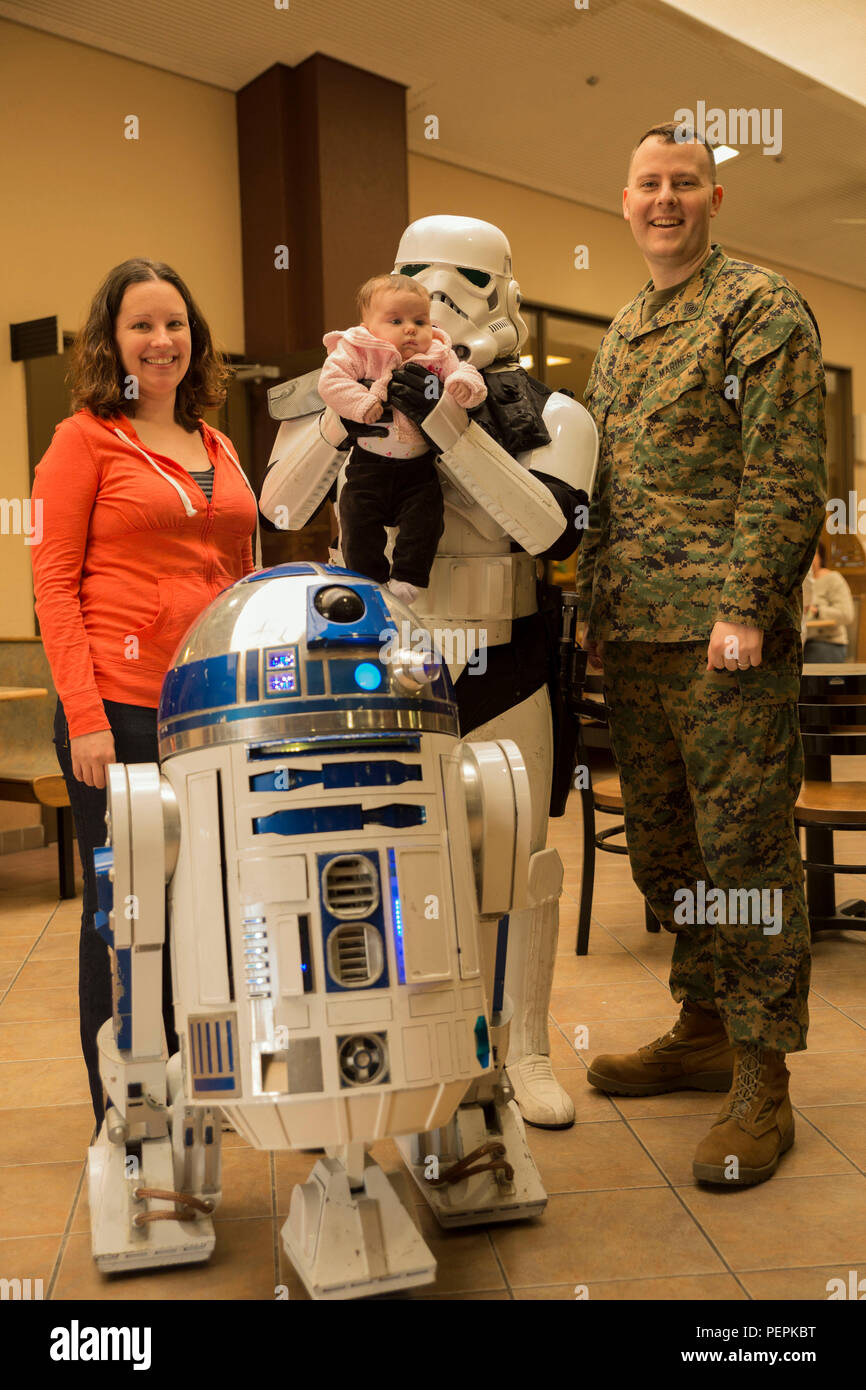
[748, 1076]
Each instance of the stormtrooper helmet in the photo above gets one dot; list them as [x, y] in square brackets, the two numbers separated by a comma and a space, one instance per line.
[465, 265]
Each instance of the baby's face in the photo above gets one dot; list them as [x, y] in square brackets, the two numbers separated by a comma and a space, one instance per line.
[401, 318]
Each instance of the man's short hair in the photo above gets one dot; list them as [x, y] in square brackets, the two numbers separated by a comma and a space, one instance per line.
[675, 133]
[377, 283]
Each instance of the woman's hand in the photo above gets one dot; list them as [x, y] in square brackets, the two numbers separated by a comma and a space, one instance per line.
[91, 754]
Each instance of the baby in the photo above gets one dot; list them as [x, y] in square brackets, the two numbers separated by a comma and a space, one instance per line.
[391, 478]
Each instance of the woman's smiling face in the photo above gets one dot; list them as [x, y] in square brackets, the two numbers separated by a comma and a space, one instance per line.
[153, 337]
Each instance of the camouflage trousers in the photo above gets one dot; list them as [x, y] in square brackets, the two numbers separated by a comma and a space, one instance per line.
[710, 764]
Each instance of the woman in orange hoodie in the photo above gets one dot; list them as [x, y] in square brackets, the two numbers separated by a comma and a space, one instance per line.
[146, 515]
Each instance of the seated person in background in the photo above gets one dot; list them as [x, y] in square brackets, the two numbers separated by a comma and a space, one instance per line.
[391, 477]
[831, 602]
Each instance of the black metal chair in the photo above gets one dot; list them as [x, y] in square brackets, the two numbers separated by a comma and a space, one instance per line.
[602, 794]
[833, 724]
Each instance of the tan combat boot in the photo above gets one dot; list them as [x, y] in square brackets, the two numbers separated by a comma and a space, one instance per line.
[694, 1055]
[755, 1125]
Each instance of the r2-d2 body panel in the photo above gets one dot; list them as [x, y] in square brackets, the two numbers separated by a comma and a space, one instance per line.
[323, 904]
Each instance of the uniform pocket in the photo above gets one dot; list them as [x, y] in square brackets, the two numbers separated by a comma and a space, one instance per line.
[690, 434]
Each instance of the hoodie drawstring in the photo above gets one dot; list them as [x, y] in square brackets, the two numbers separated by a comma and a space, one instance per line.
[187, 504]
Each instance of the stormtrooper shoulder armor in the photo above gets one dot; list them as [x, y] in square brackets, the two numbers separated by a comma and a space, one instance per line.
[572, 453]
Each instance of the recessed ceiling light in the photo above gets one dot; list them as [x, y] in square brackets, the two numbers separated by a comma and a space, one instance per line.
[723, 152]
[558, 361]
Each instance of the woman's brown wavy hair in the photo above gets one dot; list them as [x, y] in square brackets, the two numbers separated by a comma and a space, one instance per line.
[96, 374]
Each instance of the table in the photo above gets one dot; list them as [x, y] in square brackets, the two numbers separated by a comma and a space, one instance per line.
[22, 692]
[819, 679]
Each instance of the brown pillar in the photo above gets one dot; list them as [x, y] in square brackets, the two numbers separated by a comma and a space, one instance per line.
[323, 172]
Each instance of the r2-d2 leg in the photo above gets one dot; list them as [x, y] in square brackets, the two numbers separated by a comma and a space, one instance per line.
[478, 1167]
[154, 1171]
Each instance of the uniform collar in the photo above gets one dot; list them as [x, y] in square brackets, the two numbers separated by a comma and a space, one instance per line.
[687, 303]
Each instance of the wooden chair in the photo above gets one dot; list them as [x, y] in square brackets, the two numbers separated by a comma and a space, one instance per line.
[833, 724]
[28, 763]
[602, 794]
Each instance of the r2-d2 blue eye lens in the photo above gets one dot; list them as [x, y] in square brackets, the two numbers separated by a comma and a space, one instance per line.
[368, 676]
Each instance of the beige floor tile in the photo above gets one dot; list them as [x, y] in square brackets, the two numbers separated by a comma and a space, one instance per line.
[822, 1078]
[785, 1222]
[61, 946]
[633, 1234]
[840, 987]
[15, 949]
[486, 1296]
[839, 951]
[34, 1005]
[609, 968]
[7, 975]
[241, 1267]
[844, 1126]
[24, 1042]
[30, 1257]
[585, 1004]
[804, 1285]
[49, 974]
[36, 1198]
[831, 1031]
[59, 1133]
[674, 1103]
[17, 919]
[672, 1143]
[25, 1084]
[591, 1156]
[701, 1288]
[562, 1052]
[246, 1185]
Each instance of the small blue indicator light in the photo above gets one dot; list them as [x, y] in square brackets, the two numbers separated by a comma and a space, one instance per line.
[397, 913]
[368, 676]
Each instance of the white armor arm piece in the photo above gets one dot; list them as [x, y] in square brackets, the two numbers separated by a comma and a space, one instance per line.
[502, 485]
[304, 462]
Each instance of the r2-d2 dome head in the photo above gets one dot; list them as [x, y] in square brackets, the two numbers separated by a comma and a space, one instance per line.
[465, 264]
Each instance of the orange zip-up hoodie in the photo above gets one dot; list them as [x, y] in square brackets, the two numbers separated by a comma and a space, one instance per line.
[131, 552]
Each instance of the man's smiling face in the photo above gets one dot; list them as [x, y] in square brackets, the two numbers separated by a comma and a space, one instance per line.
[669, 202]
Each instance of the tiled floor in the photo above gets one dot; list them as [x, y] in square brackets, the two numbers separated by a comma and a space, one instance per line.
[625, 1219]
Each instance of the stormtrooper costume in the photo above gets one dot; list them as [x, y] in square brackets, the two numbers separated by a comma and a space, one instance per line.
[514, 478]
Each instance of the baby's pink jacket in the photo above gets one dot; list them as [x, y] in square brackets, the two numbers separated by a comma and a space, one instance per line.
[356, 354]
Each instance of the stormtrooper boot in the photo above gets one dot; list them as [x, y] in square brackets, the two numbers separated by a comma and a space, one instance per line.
[755, 1125]
[540, 1098]
[694, 1055]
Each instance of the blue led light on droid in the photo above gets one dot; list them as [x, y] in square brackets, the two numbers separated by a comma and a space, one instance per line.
[367, 676]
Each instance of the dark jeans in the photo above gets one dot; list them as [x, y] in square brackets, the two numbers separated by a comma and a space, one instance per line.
[134, 730]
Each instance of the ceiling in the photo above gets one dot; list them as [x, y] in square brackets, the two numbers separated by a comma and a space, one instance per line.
[509, 83]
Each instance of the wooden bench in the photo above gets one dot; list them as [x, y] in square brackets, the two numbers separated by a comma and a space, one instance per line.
[28, 763]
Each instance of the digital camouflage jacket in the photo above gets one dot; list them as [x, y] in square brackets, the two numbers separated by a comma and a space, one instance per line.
[711, 484]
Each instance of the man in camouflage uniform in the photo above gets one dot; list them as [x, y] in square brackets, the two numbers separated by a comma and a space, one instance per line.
[708, 395]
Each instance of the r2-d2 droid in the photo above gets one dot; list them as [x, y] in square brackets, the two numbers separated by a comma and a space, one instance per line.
[329, 844]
